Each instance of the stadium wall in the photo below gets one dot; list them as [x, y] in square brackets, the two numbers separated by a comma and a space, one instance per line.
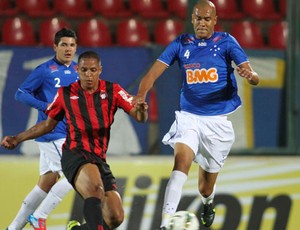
[252, 192]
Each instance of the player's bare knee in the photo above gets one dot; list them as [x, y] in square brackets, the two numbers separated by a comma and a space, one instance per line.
[100, 191]
[117, 219]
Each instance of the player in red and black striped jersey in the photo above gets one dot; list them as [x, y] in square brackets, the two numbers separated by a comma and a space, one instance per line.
[89, 106]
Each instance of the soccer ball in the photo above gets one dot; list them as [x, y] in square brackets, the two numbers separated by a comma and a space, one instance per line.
[183, 220]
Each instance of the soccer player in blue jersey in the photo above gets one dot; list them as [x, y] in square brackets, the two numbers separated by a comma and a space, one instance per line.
[38, 91]
[201, 131]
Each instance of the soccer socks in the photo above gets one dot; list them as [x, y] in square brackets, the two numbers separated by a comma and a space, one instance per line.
[208, 200]
[54, 197]
[93, 213]
[172, 195]
[30, 203]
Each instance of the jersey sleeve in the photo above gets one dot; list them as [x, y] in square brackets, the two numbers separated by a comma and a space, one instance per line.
[26, 91]
[56, 109]
[123, 98]
[169, 55]
[236, 52]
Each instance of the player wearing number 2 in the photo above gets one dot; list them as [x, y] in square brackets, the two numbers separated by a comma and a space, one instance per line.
[38, 91]
[201, 131]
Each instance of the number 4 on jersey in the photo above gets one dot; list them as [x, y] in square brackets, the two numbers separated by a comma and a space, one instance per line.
[187, 54]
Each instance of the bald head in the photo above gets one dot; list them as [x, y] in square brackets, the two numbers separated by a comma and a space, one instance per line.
[202, 4]
[204, 19]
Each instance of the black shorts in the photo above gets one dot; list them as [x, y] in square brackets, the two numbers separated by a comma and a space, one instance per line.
[73, 159]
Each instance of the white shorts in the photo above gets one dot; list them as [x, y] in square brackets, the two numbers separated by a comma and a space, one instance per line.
[50, 155]
[210, 137]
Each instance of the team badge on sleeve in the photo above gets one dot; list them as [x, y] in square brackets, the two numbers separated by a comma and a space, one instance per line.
[125, 96]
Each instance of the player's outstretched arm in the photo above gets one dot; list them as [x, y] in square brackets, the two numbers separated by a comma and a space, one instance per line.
[11, 142]
[148, 80]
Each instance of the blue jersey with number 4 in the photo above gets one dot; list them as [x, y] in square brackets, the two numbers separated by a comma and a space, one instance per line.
[209, 85]
[40, 87]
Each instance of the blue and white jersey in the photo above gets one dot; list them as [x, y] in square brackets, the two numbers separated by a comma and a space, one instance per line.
[40, 87]
[209, 86]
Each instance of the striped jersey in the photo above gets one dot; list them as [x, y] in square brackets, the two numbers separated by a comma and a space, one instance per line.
[209, 86]
[89, 116]
[40, 87]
